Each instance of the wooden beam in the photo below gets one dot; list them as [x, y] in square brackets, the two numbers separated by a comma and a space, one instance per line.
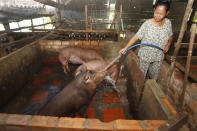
[37, 40]
[175, 123]
[61, 6]
[27, 33]
[21, 15]
[94, 31]
[54, 4]
[61, 22]
[120, 22]
[192, 74]
[10, 38]
[11, 30]
[186, 45]
[10, 13]
[3, 35]
[59, 11]
[17, 41]
[6, 26]
[48, 2]
[113, 24]
[181, 34]
[187, 70]
[32, 25]
[95, 23]
[120, 18]
[80, 31]
[86, 15]
[194, 58]
[66, 2]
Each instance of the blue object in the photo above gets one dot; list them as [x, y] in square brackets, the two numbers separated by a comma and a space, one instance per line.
[143, 44]
[131, 47]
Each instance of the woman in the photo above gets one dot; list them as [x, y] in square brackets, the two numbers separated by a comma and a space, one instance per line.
[156, 31]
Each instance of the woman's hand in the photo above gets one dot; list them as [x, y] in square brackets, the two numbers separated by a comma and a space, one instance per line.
[132, 41]
[165, 50]
[167, 47]
[122, 51]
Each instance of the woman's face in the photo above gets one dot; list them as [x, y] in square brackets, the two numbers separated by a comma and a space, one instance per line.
[160, 13]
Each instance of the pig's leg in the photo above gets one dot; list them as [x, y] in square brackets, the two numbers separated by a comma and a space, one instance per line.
[64, 61]
[65, 67]
[83, 111]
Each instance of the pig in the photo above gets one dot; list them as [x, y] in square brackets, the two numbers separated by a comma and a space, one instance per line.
[74, 96]
[76, 55]
[112, 74]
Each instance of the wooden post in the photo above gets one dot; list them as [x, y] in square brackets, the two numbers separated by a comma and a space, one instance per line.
[192, 38]
[181, 34]
[120, 18]
[86, 15]
[32, 25]
[6, 26]
[1, 49]
[120, 22]
[90, 23]
[91, 27]
[59, 11]
[113, 25]
[10, 38]
[190, 22]
[43, 23]
[19, 26]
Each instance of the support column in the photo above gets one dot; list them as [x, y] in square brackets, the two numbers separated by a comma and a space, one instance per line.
[86, 15]
[178, 45]
[32, 25]
[44, 24]
[2, 49]
[6, 26]
[59, 11]
[120, 23]
[192, 38]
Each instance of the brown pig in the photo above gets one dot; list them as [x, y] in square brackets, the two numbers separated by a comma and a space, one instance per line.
[74, 96]
[76, 55]
[112, 73]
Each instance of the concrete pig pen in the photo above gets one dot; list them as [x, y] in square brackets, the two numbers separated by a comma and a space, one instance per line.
[18, 69]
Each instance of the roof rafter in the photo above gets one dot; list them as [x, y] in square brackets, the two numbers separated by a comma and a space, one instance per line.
[53, 4]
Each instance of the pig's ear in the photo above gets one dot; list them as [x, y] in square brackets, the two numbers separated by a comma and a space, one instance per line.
[86, 79]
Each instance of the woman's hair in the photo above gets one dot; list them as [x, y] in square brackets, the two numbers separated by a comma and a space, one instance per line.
[165, 3]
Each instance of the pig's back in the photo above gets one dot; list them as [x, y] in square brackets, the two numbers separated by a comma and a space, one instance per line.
[67, 101]
[85, 54]
[96, 65]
